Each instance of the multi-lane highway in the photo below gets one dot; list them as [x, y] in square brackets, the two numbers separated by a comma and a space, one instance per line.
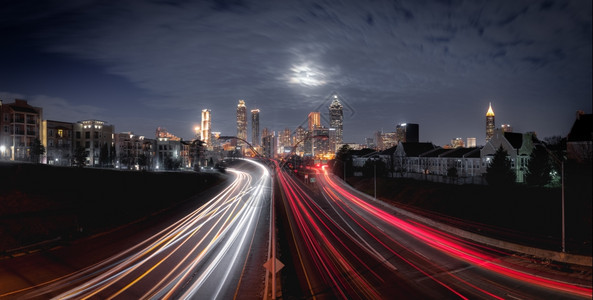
[215, 251]
[337, 243]
[347, 245]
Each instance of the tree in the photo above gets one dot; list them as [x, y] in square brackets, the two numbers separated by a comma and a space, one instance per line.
[104, 155]
[499, 172]
[143, 161]
[538, 168]
[452, 172]
[79, 158]
[343, 159]
[37, 150]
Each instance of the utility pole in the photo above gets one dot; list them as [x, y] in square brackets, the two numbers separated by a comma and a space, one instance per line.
[375, 175]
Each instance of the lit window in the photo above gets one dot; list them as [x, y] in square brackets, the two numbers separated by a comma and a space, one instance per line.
[60, 132]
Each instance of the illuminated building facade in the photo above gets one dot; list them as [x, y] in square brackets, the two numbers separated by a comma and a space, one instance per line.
[408, 133]
[336, 121]
[471, 142]
[299, 140]
[169, 150]
[314, 120]
[97, 139]
[241, 122]
[285, 144]
[268, 143]
[255, 138]
[130, 150]
[207, 128]
[489, 123]
[20, 125]
[57, 139]
[457, 143]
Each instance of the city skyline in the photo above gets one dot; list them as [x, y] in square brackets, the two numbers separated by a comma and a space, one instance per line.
[145, 65]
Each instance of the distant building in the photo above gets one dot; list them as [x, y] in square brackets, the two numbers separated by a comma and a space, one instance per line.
[169, 150]
[370, 143]
[268, 143]
[314, 120]
[96, 137]
[299, 140]
[471, 142]
[241, 122]
[457, 142]
[20, 125]
[336, 121]
[489, 123]
[284, 141]
[131, 150]
[408, 133]
[255, 138]
[506, 128]
[207, 128]
[57, 137]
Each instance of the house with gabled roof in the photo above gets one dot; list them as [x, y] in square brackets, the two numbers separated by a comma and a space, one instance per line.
[579, 142]
[518, 146]
[407, 156]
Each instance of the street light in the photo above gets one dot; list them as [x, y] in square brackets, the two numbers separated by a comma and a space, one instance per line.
[2, 149]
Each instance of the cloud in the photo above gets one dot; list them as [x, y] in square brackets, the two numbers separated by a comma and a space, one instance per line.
[406, 56]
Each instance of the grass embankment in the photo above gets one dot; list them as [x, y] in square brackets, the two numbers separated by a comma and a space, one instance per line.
[40, 202]
[522, 214]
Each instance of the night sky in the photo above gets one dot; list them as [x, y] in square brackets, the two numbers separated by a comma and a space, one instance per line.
[143, 64]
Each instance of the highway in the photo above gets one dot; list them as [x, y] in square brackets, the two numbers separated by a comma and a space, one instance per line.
[214, 252]
[348, 245]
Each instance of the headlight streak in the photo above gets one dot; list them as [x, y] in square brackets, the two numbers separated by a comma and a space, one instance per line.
[221, 226]
[436, 239]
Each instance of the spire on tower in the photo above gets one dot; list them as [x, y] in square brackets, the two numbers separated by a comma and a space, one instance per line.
[490, 112]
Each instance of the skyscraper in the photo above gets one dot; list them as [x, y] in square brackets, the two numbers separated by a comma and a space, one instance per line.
[255, 139]
[489, 123]
[408, 133]
[314, 120]
[206, 128]
[241, 122]
[336, 117]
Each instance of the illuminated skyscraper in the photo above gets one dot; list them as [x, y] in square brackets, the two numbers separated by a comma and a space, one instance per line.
[336, 117]
[299, 140]
[314, 120]
[241, 122]
[255, 139]
[206, 128]
[489, 123]
[408, 133]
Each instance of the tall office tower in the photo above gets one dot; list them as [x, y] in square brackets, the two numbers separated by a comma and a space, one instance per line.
[336, 117]
[241, 122]
[408, 133]
[379, 141]
[285, 143]
[206, 128]
[489, 123]
[299, 140]
[471, 142]
[255, 139]
[314, 120]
